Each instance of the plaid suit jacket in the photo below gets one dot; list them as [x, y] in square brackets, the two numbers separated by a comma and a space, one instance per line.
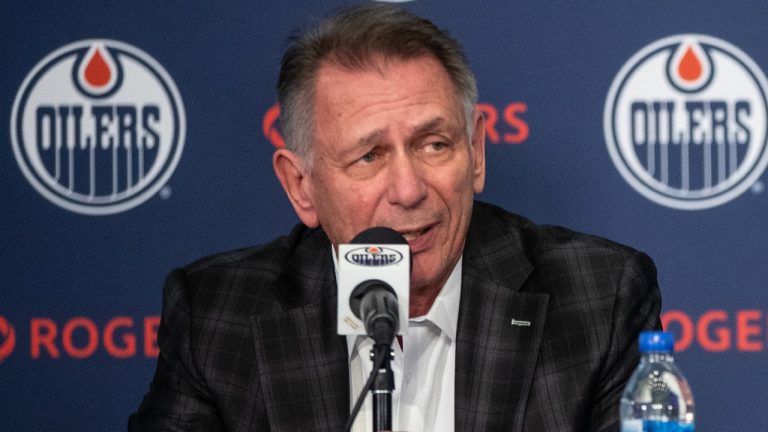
[248, 338]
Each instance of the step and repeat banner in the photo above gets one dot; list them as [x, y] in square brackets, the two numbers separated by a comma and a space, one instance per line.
[137, 136]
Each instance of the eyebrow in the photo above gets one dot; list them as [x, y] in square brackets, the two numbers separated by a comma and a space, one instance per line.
[429, 126]
[371, 139]
[377, 136]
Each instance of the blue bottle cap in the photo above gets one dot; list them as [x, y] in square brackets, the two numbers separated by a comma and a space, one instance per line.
[656, 341]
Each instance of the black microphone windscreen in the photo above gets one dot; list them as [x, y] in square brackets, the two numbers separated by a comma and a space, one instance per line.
[380, 235]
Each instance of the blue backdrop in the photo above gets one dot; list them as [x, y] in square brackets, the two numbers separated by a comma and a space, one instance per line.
[86, 246]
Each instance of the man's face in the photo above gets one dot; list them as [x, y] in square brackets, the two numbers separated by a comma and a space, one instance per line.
[390, 148]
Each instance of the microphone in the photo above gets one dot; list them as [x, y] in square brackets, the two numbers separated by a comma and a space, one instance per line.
[374, 274]
[375, 303]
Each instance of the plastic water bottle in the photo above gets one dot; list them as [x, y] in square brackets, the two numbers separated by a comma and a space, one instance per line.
[657, 397]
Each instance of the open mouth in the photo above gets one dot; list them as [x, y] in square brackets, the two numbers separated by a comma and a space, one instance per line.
[411, 236]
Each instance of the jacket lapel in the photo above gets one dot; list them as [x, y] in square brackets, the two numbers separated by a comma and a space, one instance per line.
[495, 357]
[301, 361]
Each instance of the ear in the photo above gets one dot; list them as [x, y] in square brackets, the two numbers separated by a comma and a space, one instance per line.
[290, 170]
[478, 153]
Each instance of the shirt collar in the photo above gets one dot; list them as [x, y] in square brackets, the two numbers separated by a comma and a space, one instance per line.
[444, 312]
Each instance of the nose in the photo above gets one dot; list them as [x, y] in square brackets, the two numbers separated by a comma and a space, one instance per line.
[407, 187]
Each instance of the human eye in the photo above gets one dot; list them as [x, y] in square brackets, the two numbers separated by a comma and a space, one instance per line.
[435, 150]
[371, 156]
[437, 146]
[368, 157]
[366, 165]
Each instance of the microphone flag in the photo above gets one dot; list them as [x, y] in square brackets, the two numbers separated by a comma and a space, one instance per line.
[374, 254]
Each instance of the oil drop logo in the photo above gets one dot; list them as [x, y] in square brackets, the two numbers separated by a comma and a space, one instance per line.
[685, 122]
[98, 127]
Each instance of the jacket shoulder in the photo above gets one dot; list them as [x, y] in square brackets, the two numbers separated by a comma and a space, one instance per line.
[245, 275]
[562, 259]
[544, 239]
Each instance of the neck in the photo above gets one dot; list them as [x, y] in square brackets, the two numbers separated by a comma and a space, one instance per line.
[422, 297]
[421, 300]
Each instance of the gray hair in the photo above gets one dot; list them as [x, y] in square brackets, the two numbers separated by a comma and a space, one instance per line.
[355, 39]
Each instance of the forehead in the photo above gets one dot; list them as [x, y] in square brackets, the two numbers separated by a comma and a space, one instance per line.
[338, 76]
[387, 90]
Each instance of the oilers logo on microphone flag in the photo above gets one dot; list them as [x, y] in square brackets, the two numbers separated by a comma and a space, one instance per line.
[685, 122]
[98, 127]
[374, 256]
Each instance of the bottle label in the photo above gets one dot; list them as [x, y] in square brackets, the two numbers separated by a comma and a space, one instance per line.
[637, 425]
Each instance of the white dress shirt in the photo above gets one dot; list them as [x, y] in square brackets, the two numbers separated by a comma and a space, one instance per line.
[424, 368]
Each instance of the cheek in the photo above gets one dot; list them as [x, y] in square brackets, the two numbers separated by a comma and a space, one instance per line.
[459, 184]
[346, 211]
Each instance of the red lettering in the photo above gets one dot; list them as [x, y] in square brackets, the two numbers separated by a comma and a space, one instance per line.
[42, 334]
[270, 130]
[520, 129]
[490, 116]
[93, 337]
[747, 324]
[151, 324]
[518, 124]
[6, 331]
[683, 342]
[128, 348]
[119, 339]
[722, 340]
[712, 331]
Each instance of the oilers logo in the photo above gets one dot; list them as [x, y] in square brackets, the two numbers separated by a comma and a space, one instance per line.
[98, 127]
[373, 256]
[685, 122]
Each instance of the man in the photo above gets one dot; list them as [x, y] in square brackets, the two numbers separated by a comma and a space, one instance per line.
[514, 326]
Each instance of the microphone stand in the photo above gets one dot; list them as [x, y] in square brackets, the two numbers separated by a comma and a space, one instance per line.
[376, 303]
[383, 386]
